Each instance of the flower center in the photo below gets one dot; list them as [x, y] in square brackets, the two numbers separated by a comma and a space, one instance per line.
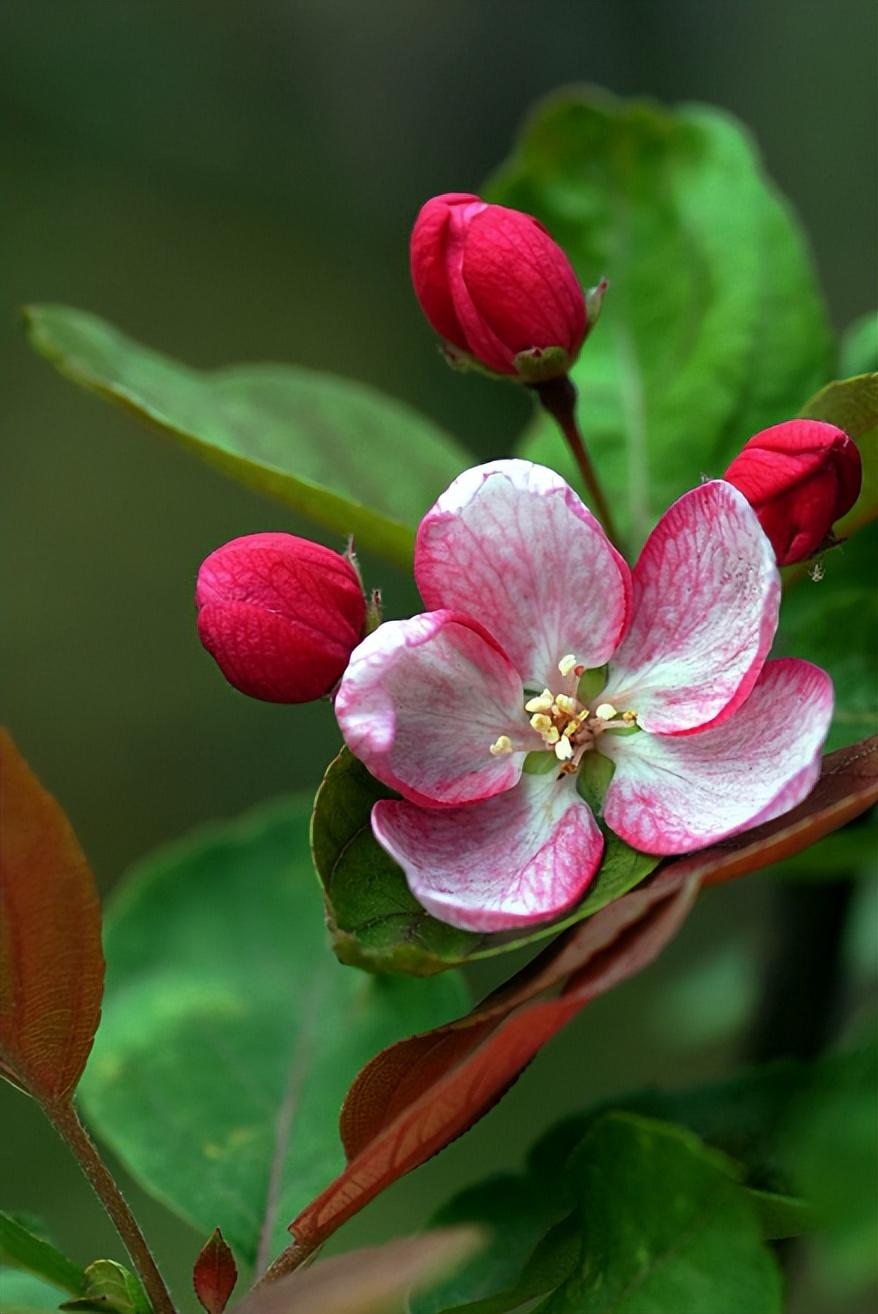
[568, 727]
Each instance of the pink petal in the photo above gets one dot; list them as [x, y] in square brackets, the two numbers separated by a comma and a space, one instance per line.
[423, 700]
[508, 862]
[674, 793]
[511, 544]
[704, 613]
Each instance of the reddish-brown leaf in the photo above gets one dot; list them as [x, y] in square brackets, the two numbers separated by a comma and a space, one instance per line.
[214, 1273]
[372, 1281]
[415, 1097]
[51, 964]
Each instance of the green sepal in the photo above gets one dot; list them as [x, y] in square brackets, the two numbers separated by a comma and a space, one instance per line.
[540, 763]
[594, 778]
[591, 683]
[539, 364]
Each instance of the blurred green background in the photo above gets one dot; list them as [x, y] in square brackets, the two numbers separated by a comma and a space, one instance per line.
[232, 181]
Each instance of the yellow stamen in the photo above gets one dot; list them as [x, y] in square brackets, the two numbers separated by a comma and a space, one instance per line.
[606, 711]
[541, 703]
[501, 746]
[567, 664]
[630, 715]
[541, 723]
[565, 704]
[564, 750]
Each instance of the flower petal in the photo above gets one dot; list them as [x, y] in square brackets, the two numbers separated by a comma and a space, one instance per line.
[675, 793]
[511, 544]
[705, 607]
[524, 857]
[423, 700]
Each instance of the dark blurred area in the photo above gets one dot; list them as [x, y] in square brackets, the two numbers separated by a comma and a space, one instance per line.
[236, 182]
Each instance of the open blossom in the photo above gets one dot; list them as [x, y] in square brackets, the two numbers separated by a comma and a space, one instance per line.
[461, 709]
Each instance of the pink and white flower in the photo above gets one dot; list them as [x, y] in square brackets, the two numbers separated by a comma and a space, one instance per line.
[524, 593]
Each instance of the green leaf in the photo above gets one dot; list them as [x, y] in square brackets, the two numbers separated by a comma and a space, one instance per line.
[782, 1216]
[229, 1038]
[540, 1226]
[23, 1248]
[858, 349]
[852, 404]
[830, 1149]
[375, 921]
[665, 1228]
[712, 326]
[518, 1214]
[743, 1116]
[352, 460]
[110, 1287]
[22, 1293]
[833, 621]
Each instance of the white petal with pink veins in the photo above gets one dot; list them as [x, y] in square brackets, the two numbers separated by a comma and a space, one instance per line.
[423, 700]
[676, 793]
[511, 544]
[524, 857]
[705, 606]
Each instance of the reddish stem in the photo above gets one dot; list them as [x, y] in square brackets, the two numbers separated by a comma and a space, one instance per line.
[558, 398]
[66, 1122]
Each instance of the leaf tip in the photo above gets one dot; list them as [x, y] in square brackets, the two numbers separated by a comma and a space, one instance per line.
[214, 1273]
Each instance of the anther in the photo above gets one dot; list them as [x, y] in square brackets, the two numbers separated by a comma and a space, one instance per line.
[605, 712]
[567, 664]
[501, 746]
[541, 703]
[563, 750]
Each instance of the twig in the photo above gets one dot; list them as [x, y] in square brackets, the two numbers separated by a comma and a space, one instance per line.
[65, 1119]
[287, 1261]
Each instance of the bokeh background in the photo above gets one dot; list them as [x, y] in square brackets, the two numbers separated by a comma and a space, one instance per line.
[231, 181]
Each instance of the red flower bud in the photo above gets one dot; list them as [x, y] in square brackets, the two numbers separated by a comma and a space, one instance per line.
[280, 615]
[495, 286]
[799, 477]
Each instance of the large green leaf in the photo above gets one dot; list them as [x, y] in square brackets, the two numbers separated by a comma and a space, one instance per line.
[666, 1228]
[374, 919]
[354, 461]
[712, 327]
[531, 1246]
[858, 349]
[229, 1037]
[543, 1238]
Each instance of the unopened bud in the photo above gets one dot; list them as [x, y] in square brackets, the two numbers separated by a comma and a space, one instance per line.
[497, 288]
[799, 477]
[280, 615]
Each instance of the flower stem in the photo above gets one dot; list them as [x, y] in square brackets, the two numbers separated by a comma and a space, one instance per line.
[558, 398]
[66, 1122]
